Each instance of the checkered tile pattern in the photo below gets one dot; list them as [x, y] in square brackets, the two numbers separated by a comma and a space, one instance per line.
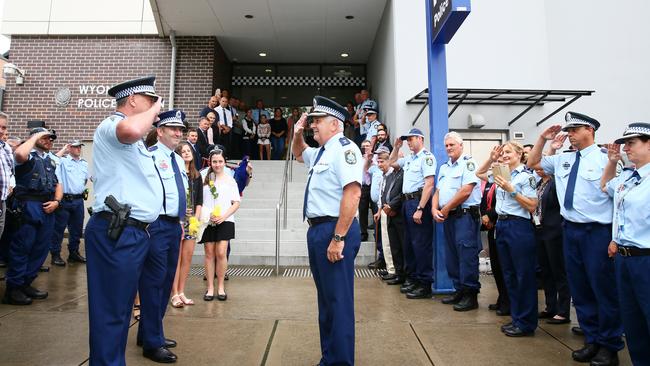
[358, 81]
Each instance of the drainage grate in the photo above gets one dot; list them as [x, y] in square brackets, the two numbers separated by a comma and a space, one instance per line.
[305, 272]
[237, 271]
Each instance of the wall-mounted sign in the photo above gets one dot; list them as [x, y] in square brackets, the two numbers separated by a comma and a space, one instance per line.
[62, 97]
[95, 97]
[440, 11]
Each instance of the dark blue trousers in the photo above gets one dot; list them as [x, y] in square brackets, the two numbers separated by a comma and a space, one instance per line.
[633, 279]
[335, 289]
[28, 248]
[157, 279]
[418, 243]
[592, 282]
[463, 241]
[518, 257]
[113, 270]
[71, 215]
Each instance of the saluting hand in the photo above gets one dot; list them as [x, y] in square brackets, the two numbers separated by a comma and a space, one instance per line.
[398, 143]
[335, 251]
[496, 153]
[613, 152]
[558, 141]
[551, 132]
[300, 125]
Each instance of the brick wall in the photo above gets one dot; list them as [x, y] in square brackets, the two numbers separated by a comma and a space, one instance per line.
[56, 62]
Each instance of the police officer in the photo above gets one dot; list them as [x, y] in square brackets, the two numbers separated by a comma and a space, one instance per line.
[333, 239]
[123, 170]
[73, 173]
[587, 213]
[631, 238]
[36, 195]
[164, 239]
[417, 187]
[372, 124]
[516, 199]
[456, 205]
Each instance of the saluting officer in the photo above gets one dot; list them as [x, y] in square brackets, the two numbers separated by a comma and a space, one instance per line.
[36, 195]
[456, 205]
[631, 238]
[124, 170]
[587, 212]
[333, 239]
[417, 187]
[73, 172]
[164, 239]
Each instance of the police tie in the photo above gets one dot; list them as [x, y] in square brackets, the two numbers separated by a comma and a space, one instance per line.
[311, 172]
[571, 186]
[182, 200]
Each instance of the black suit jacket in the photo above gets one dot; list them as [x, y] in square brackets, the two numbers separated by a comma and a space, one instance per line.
[392, 194]
[202, 145]
[551, 218]
[196, 156]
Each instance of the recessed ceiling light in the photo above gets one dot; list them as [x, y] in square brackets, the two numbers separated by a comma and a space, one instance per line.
[248, 16]
[332, 97]
[262, 54]
[344, 55]
[268, 70]
[283, 97]
[349, 17]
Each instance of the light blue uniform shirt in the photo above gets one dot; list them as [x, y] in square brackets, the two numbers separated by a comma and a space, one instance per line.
[525, 184]
[416, 168]
[126, 171]
[631, 214]
[590, 203]
[372, 129]
[339, 165]
[452, 176]
[376, 176]
[74, 174]
[162, 156]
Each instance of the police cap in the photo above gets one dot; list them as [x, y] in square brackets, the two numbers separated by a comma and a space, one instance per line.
[145, 85]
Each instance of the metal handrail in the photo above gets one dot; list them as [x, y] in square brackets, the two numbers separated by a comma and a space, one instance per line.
[282, 202]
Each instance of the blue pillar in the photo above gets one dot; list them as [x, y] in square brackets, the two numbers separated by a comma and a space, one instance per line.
[443, 20]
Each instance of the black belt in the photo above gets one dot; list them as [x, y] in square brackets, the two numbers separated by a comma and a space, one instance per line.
[458, 211]
[319, 220]
[169, 218]
[70, 197]
[413, 195]
[510, 217]
[632, 251]
[33, 197]
[129, 221]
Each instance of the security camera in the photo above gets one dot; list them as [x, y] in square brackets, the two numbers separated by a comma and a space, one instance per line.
[9, 70]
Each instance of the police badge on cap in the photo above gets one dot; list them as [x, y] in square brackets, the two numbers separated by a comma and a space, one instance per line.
[145, 85]
[574, 119]
[171, 118]
[324, 107]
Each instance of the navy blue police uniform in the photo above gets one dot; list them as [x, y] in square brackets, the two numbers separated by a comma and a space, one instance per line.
[36, 183]
[333, 166]
[418, 238]
[587, 213]
[74, 175]
[164, 241]
[126, 172]
[631, 192]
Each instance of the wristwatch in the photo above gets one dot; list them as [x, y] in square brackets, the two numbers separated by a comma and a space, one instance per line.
[338, 238]
[513, 194]
[418, 208]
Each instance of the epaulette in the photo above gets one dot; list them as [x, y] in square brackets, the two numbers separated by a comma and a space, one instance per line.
[467, 157]
[344, 141]
[626, 168]
[152, 148]
[427, 152]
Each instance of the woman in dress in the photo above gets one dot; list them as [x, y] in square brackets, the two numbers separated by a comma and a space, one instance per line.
[194, 199]
[220, 201]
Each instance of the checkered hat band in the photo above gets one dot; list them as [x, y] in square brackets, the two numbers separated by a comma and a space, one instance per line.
[135, 90]
[170, 120]
[637, 130]
[330, 111]
[578, 121]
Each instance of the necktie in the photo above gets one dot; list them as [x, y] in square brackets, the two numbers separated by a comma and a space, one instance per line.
[568, 198]
[223, 117]
[182, 200]
[311, 172]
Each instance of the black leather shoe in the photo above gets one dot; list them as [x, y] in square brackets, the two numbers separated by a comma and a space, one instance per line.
[76, 257]
[15, 296]
[160, 355]
[493, 307]
[378, 264]
[57, 260]
[407, 286]
[396, 281]
[207, 297]
[388, 276]
[222, 297]
[453, 298]
[506, 326]
[226, 278]
[468, 302]
[420, 292]
[515, 331]
[586, 353]
[44, 269]
[545, 315]
[503, 312]
[169, 343]
[34, 293]
[556, 321]
[577, 331]
[605, 357]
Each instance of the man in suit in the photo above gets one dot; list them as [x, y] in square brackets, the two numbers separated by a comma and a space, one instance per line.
[192, 138]
[202, 143]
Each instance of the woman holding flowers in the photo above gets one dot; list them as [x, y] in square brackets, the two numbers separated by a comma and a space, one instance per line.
[217, 221]
[190, 226]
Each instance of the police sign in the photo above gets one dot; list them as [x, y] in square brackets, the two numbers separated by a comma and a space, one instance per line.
[440, 10]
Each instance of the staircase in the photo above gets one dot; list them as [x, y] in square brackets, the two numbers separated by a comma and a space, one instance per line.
[255, 221]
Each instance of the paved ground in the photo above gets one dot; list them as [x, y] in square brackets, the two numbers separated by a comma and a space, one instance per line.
[272, 321]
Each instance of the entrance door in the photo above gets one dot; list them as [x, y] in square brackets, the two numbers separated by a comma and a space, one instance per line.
[480, 144]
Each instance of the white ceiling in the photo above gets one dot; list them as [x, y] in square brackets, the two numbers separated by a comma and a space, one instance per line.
[289, 31]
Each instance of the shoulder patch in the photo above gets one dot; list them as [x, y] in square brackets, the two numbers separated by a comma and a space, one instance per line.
[428, 160]
[152, 148]
[344, 141]
[471, 166]
[532, 181]
[350, 157]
